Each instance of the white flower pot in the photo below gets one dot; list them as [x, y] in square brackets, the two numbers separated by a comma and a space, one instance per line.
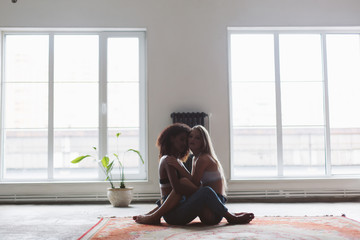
[120, 197]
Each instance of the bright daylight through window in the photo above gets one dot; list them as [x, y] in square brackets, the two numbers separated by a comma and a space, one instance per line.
[65, 93]
[294, 98]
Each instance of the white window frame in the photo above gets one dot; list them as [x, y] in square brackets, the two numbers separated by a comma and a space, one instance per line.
[103, 35]
[322, 31]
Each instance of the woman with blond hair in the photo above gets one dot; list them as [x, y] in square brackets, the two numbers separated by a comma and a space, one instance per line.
[201, 193]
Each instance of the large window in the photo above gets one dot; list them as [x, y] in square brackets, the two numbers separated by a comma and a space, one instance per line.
[294, 96]
[62, 94]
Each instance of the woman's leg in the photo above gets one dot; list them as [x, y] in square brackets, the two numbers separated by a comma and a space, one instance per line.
[208, 217]
[193, 207]
[154, 216]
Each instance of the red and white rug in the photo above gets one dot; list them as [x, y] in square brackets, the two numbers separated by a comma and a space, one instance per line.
[264, 228]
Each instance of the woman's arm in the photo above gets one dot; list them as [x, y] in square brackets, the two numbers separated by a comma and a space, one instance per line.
[199, 168]
[173, 162]
[174, 179]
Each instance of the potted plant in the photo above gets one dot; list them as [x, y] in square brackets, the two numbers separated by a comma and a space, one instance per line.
[120, 196]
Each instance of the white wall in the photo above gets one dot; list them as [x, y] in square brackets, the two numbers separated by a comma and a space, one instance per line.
[186, 51]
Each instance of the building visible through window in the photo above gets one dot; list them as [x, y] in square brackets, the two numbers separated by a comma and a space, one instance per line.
[294, 97]
[65, 93]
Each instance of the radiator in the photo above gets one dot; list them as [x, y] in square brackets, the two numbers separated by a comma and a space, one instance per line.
[295, 194]
[249, 196]
[77, 198]
[191, 118]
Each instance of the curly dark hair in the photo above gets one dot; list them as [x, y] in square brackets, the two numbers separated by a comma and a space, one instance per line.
[164, 142]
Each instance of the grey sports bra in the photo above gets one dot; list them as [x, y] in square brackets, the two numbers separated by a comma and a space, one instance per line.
[210, 176]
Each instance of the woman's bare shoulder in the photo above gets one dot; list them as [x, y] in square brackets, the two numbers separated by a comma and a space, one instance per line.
[162, 166]
[205, 156]
[206, 159]
[163, 158]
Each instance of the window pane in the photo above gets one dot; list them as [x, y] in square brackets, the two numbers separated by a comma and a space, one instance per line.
[123, 105]
[345, 150]
[344, 87]
[26, 58]
[129, 139]
[254, 152]
[123, 59]
[303, 151]
[300, 57]
[252, 57]
[26, 105]
[76, 105]
[25, 154]
[76, 58]
[253, 104]
[302, 103]
[68, 145]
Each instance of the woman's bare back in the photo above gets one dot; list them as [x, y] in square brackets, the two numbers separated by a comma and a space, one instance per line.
[165, 187]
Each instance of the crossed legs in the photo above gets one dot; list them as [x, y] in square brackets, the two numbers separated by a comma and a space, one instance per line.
[203, 203]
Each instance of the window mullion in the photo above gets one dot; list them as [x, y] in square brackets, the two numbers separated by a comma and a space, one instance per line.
[51, 109]
[2, 75]
[102, 97]
[142, 108]
[280, 162]
[326, 108]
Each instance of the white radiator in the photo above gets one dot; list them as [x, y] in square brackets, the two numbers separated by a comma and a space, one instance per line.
[71, 198]
[284, 194]
[280, 195]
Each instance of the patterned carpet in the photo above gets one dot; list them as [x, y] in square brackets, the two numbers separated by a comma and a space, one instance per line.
[263, 228]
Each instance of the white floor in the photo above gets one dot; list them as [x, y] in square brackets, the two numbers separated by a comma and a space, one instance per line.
[70, 221]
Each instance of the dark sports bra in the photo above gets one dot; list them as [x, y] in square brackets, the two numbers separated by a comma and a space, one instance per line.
[165, 182]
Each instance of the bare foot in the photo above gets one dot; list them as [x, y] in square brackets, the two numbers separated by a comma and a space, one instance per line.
[240, 213]
[147, 219]
[244, 213]
[239, 218]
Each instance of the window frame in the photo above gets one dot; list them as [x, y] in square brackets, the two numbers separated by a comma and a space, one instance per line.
[102, 127]
[276, 31]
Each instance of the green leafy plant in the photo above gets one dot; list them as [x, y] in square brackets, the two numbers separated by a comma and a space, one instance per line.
[107, 164]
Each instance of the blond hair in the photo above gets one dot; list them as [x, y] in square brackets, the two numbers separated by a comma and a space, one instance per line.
[209, 149]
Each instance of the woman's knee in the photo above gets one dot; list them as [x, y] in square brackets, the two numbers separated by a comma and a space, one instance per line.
[207, 190]
[210, 221]
[208, 217]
